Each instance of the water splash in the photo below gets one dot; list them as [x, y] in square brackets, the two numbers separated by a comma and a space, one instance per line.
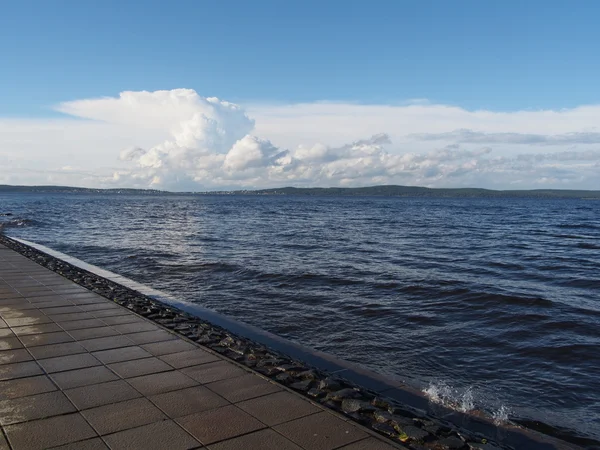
[500, 416]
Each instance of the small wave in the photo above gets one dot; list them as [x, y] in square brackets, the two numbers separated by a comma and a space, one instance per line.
[588, 245]
[443, 394]
[17, 223]
[576, 226]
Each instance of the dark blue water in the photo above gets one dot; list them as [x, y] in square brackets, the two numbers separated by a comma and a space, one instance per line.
[493, 304]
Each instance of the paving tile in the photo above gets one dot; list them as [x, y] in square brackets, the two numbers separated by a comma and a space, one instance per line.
[68, 362]
[156, 436]
[100, 306]
[208, 426]
[82, 324]
[108, 313]
[88, 444]
[18, 322]
[243, 388]
[208, 373]
[101, 394]
[117, 320]
[135, 327]
[147, 337]
[6, 333]
[166, 347]
[369, 444]
[34, 407]
[22, 387]
[54, 303]
[260, 440]
[43, 434]
[60, 310]
[327, 431]
[188, 401]
[190, 358]
[59, 318]
[122, 416]
[52, 351]
[14, 356]
[57, 337]
[19, 370]
[3, 442]
[277, 408]
[121, 354]
[10, 343]
[3, 324]
[106, 343]
[36, 329]
[17, 306]
[91, 333]
[138, 367]
[83, 377]
[22, 314]
[158, 383]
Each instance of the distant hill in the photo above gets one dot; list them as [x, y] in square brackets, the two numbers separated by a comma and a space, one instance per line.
[380, 191]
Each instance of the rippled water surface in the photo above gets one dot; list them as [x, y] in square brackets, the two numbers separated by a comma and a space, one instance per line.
[497, 301]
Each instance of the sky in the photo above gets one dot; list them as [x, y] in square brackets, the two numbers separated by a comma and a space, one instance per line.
[198, 95]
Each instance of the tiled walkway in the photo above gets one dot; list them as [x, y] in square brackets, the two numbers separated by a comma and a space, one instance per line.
[78, 371]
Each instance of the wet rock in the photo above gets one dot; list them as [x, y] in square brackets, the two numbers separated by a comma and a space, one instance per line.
[291, 368]
[452, 443]
[284, 378]
[351, 405]
[303, 386]
[379, 403]
[316, 393]
[308, 374]
[482, 446]
[414, 433]
[385, 429]
[343, 394]
[330, 384]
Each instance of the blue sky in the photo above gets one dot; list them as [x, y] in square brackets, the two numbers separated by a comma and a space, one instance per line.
[497, 94]
[477, 54]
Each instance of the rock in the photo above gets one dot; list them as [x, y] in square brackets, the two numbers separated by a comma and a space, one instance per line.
[481, 446]
[452, 443]
[379, 403]
[316, 393]
[382, 416]
[343, 394]
[284, 378]
[291, 368]
[350, 405]
[330, 384]
[385, 429]
[302, 385]
[414, 433]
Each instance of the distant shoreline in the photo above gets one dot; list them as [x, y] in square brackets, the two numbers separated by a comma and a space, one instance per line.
[370, 191]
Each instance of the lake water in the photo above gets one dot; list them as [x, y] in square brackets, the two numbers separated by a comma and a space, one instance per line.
[493, 303]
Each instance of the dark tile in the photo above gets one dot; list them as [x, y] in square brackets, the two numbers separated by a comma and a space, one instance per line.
[60, 318]
[188, 401]
[34, 407]
[101, 394]
[19, 322]
[117, 320]
[100, 306]
[106, 343]
[208, 427]
[22, 387]
[68, 362]
[88, 444]
[147, 337]
[10, 343]
[35, 340]
[138, 367]
[122, 416]
[14, 356]
[326, 431]
[82, 324]
[60, 310]
[83, 377]
[156, 436]
[135, 327]
[20, 370]
[121, 354]
[208, 373]
[259, 440]
[43, 434]
[52, 351]
[161, 382]
[36, 329]
[6, 333]
[243, 388]
[190, 358]
[278, 408]
[108, 313]
[166, 347]
[92, 333]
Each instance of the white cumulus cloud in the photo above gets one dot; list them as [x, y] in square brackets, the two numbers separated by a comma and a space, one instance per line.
[180, 140]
